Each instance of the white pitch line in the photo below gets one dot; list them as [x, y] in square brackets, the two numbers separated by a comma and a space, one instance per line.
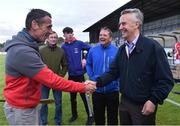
[173, 102]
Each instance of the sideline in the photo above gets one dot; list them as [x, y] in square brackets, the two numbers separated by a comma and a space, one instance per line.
[173, 102]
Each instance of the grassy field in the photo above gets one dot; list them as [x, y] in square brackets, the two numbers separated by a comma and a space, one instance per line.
[168, 114]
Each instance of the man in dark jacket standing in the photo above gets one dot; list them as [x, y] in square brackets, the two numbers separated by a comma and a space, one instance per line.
[76, 69]
[54, 57]
[144, 72]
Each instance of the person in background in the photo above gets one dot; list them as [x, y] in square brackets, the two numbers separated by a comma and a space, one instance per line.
[54, 57]
[26, 72]
[105, 98]
[144, 72]
[177, 50]
[76, 69]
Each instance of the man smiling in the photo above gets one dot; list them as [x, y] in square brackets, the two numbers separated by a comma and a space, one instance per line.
[25, 71]
[105, 98]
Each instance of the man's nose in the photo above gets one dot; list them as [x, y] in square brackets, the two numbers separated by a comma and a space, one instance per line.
[120, 27]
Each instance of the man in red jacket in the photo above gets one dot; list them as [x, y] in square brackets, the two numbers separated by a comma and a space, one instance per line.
[25, 71]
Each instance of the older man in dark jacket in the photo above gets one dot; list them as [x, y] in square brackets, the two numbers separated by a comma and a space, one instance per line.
[144, 72]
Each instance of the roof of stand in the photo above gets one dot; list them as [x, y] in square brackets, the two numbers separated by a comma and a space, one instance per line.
[152, 9]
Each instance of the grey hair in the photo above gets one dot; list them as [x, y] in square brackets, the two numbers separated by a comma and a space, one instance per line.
[137, 13]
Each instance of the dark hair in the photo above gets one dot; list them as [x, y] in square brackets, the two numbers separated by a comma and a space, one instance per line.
[107, 29]
[67, 30]
[37, 15]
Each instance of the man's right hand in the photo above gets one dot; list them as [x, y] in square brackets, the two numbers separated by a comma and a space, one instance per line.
[90, 86]
[83, 62]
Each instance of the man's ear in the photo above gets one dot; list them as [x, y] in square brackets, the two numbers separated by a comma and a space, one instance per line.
[111, 39]
[138, 24]
[34, 25]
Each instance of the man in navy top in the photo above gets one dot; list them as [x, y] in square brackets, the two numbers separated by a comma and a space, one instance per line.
[76, 69]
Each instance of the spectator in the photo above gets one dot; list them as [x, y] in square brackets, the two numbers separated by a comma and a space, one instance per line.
[105, 98]
[54, 57]
[73, 49]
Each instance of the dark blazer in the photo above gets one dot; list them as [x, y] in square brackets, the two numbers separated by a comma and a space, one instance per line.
[145, 75]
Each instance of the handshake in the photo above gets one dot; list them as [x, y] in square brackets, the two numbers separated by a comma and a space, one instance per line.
[90, 86]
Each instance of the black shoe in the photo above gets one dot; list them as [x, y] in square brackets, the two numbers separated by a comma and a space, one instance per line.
[73, 118]
[90, 121]
[58, 124]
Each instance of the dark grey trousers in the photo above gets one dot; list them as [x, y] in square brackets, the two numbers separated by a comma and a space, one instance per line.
[130, 114]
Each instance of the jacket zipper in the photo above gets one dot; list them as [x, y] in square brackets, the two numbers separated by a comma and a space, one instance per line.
[104, 66]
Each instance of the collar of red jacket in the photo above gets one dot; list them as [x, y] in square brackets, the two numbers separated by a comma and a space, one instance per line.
[72, 40]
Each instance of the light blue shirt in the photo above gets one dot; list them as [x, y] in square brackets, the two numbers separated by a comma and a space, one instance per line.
[131, 45]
